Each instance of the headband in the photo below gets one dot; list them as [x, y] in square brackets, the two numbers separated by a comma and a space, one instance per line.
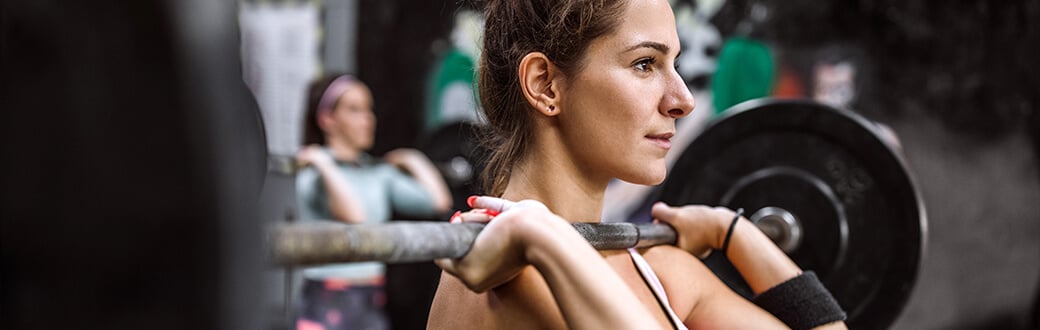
[333, 92]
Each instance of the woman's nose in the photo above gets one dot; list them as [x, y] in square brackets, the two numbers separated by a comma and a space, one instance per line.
[677, 101]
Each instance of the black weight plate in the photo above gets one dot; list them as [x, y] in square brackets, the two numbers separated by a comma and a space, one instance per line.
[456, 151]
[863, 225]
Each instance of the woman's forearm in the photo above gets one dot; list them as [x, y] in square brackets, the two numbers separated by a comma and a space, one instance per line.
[425, 173]
[762, 264]
[344, 203]
[431, 180]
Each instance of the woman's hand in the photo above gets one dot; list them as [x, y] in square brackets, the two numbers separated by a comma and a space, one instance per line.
[755, 256]
[405, 157]
[588, 292]
[701, 228]
[499, 253]
[313, 155]
[422, 169]
[343, 201]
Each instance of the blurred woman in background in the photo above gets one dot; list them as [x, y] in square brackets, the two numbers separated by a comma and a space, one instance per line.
[341, 182]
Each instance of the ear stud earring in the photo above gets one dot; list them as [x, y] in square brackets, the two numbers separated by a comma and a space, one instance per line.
[551, 108]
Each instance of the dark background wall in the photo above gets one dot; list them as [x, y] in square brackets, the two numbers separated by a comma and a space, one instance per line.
[969, 64]
[397, 47]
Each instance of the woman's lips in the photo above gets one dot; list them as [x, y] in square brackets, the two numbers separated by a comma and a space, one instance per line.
[661, 140]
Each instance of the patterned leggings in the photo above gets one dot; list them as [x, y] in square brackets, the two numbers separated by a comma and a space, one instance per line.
[335, 305]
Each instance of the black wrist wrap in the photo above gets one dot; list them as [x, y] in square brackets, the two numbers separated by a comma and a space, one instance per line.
[801, 302]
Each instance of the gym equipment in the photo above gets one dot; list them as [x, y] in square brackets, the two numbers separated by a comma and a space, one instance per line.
[824, 184]
[317, 242]
[831, 191]
[455, 149]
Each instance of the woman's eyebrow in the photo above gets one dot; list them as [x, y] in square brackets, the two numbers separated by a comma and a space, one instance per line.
[650, 44]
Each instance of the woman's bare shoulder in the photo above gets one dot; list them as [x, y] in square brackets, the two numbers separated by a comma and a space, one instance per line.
[454, 306]
[668, 256]
[685, 278]
[522, 303]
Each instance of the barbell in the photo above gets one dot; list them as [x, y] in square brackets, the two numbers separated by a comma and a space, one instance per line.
[317, 242]
[321, 242]
[825, 184]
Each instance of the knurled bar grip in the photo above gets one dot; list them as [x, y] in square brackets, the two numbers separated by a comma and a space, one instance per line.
[315, 242]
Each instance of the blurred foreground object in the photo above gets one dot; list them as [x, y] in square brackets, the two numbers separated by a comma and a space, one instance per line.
[138, 155]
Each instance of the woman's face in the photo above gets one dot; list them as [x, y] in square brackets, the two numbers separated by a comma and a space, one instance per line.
[353, 122]
[617, 113]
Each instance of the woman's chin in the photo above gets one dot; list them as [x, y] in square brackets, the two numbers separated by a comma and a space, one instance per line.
[646, 178]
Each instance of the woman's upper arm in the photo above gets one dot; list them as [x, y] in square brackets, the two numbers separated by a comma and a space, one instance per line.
[700, 298]
[407, 195]
[724, 308]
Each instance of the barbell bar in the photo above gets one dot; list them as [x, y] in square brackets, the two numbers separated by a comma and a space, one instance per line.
[314, 242]
[318, 242]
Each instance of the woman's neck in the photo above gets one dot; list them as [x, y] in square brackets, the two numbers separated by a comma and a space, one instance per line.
[551, 178]
[343, 151]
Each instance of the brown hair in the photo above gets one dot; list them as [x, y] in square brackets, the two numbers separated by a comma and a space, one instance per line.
[312, 133]
[562, 30]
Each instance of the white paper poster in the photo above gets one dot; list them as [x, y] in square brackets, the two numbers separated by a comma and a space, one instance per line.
[280, 56]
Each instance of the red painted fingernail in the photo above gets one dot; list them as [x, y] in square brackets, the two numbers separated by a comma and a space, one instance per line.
[490, 213]
[471, 200]
[456, 217]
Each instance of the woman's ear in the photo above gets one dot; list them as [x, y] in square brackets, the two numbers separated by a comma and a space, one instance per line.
[537, 77]
[325, 121]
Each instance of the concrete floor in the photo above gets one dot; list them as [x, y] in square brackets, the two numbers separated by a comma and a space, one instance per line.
[982, 262]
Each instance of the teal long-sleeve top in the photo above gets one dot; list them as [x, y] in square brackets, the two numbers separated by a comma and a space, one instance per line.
[382, 189]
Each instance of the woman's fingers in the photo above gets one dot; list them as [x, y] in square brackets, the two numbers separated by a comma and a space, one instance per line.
[455, 268]
[662, 211]
[700, 227]
[303, 157]
[475, 215]
[311, 154]
[495, 204]
[448, 265]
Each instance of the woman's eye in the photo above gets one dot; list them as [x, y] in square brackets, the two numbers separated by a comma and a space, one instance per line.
[644, 64]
